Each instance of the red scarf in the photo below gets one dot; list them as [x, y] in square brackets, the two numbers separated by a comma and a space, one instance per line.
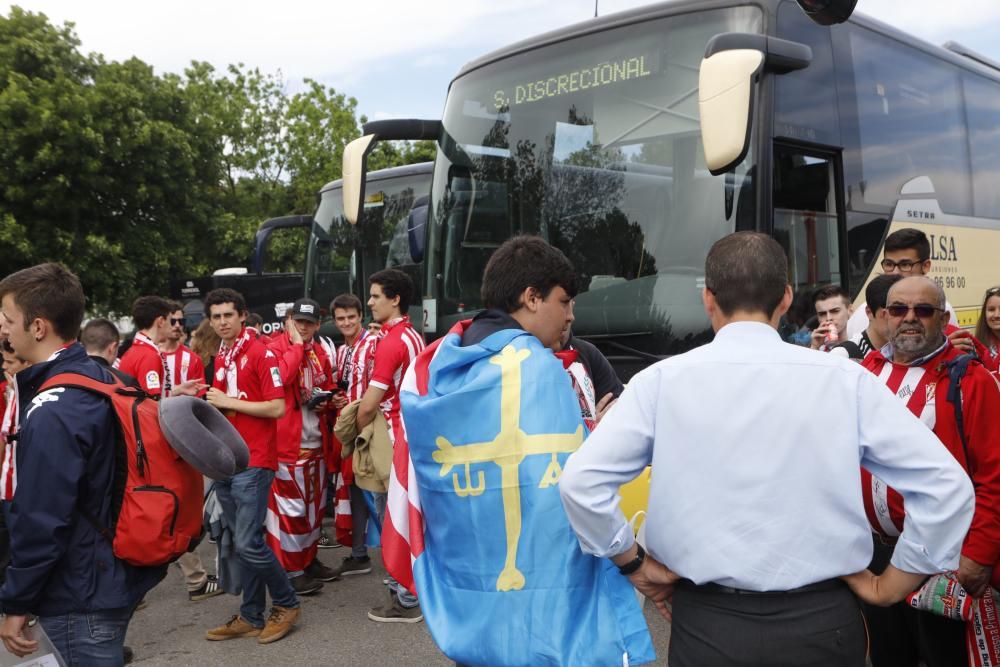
[310, 372]
[226, 357]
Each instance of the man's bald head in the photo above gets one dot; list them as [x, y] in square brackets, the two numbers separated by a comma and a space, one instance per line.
[922, 285]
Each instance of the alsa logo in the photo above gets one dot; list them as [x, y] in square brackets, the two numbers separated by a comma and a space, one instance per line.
[943, 248]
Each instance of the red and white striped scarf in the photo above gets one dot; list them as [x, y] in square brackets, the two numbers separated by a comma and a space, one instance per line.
[295, 511]
[226, 358]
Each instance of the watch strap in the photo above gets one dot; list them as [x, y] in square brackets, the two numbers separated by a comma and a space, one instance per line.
[634, 564]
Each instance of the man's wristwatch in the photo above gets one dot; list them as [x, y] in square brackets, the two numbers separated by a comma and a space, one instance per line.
[634, 564]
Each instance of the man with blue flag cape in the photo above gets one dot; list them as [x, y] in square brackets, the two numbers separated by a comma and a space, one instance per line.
[491, 416]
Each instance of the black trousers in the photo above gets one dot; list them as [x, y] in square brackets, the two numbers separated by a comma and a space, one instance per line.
[821, 628]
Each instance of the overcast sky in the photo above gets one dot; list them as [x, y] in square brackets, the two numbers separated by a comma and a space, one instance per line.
[398, 56]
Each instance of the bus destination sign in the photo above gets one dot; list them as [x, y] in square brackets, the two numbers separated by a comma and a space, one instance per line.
[602, 74]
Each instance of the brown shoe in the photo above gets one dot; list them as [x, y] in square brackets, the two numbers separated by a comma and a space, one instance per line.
[234, 627]
[279, 623]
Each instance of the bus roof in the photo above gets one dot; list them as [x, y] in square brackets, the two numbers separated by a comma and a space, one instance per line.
[383, 174]
[664, 9]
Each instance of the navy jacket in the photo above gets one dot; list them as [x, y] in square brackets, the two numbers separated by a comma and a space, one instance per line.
[65, 462]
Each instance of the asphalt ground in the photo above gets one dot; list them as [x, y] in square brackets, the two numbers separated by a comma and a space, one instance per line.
[334, 630]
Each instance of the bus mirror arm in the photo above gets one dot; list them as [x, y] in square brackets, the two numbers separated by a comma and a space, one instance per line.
[733, 64]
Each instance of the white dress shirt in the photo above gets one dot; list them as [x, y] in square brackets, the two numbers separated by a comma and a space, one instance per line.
[755, 448]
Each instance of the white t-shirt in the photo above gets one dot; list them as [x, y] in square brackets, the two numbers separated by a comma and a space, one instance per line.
[859, 320]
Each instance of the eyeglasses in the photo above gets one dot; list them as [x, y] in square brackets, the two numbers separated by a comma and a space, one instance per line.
[174, 321]
[924, 311]
[904, 265]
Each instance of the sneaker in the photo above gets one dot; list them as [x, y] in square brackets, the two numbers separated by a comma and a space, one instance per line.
[279, 623]
[208, 590]
[350, 566]
[321, 572]
[326, 543]
[234, 627]
[305, 585]
[396, 613]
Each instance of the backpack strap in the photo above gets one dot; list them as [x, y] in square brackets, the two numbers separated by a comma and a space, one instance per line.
[957, 368]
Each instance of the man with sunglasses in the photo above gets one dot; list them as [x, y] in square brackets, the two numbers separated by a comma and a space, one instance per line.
[182, 363]
[915, 366]
[907, 252]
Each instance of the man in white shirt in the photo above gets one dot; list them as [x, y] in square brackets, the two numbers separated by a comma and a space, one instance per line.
[752, 519]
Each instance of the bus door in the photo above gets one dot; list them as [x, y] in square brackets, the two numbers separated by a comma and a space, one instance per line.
[809, 220]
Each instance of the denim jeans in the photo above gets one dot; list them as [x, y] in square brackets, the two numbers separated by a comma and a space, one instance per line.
[244, 503]
[406, 598]
[84, 639]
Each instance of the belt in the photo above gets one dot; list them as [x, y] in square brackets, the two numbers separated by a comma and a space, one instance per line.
[818, 587]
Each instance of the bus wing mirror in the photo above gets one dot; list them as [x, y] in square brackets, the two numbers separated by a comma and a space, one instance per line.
[727, 80]
[356, 155]
[353, 175]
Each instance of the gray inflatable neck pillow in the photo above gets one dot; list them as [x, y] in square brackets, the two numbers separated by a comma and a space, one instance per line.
[203, 437]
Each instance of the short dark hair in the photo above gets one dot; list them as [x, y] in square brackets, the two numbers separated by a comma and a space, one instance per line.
[346, 302]
[877, 292]
[907, 239]
[222, 295]
[175, 306]
[521, 262]
[254, 320]
[830, 291]
[98, 333]
[146, 309]
[48, 291]
[394, 283]
[747, 271]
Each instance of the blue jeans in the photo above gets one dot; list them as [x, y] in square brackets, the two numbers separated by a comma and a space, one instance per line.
[406, 599]
[244, 503]
[94, 639]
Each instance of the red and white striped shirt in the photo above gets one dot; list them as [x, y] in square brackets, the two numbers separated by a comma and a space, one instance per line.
[354, 363]
[183, 365]
[398, 344]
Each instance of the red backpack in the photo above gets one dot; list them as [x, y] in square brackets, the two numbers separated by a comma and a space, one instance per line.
[157, 497]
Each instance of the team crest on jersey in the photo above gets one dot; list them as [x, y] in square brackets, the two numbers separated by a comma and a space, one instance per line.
[243, 362]
[152, 380]
[276, 377]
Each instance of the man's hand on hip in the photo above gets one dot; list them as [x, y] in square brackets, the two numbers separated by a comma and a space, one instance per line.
[656, 581]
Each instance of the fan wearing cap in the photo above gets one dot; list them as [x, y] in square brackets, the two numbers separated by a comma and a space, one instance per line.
[298, 493]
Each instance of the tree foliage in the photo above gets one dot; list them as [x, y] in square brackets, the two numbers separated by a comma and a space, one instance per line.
[134, 179]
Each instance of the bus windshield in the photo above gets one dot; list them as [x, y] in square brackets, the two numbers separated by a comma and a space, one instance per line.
[593, 143]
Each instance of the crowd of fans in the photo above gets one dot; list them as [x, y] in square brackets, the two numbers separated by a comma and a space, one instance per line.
[322, 420]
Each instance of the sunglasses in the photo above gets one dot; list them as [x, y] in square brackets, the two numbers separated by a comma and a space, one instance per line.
[174, 321]
[924, 311]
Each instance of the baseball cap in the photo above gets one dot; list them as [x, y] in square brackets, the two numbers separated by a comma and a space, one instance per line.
[305, 309]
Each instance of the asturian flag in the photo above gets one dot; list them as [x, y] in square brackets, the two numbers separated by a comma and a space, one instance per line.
[475, 508]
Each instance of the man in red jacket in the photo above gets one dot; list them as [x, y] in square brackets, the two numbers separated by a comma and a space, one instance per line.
[298, 493]
[914, 365]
